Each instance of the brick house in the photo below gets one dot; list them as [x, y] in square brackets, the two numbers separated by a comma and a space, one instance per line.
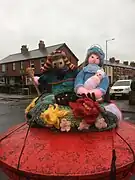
[116, 70]
[12, 67]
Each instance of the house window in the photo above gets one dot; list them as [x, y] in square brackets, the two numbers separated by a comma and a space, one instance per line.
[21, 65]
[32, 63]
[13, 66]
[2, 81]
[42, 62]
[12, 80]
[3, 67]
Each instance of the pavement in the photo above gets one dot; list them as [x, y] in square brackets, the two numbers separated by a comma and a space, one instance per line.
[122, 104]
[125, 107]
[8, 97]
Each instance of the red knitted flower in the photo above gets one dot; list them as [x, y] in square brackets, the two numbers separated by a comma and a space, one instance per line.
[85, 108]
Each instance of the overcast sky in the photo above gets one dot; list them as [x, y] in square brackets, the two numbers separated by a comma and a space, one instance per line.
[78, 23]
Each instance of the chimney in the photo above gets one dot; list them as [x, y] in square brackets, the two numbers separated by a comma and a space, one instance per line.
[117, 61]
[24, 50]
[132, 64]
[41, 45]
[125, 63]
[112, 60]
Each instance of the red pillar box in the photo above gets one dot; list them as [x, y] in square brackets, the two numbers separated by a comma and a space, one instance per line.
[66, 156]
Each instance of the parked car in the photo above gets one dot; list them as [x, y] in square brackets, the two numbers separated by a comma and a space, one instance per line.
[121, 88]
[132, 93]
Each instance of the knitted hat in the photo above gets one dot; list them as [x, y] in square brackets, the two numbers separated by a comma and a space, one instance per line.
[96, 50]
[56, 55]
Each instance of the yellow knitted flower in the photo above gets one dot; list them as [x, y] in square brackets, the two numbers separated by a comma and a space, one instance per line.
[31, 105]
[53, 114]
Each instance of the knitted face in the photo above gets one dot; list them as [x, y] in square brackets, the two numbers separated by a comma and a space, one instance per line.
[58, 60]
[95, 53]
[93, 59]
[58, 64]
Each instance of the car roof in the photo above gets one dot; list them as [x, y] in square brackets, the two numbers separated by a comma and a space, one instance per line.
[124, 80]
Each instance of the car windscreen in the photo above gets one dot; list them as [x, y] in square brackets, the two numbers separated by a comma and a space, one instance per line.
[122, 83]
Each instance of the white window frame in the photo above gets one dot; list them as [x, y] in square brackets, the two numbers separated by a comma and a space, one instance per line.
[21, 65]
[14, 66]
[32, 65]
[42, 62]
[3, 68]
[110, 70]
[105, 69]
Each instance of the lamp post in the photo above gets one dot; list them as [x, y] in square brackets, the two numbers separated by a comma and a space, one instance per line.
[107, 45]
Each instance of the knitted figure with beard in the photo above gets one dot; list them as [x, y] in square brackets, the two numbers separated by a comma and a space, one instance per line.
[58, 72]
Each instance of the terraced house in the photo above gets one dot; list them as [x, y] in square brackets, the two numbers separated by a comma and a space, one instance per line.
[116, 70]
[12, 67]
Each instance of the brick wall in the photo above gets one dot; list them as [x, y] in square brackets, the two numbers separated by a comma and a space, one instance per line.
[16, 72]
[37, 64]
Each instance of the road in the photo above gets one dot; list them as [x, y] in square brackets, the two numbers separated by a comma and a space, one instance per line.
[12, 113]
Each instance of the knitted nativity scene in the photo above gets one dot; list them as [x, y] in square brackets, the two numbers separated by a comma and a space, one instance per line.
[77, 101]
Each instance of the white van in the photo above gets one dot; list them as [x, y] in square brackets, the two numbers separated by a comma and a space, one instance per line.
[120, 88]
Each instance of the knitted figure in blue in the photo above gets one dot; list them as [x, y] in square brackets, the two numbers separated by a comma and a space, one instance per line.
[92, 65]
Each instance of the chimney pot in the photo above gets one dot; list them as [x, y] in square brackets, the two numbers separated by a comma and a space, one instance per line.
[117, 61]
[41, 45]
[125, 63]
[112, 60]
[24, 50]
[132, 64]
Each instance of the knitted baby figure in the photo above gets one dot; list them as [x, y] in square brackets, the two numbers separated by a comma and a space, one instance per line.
[92, 66]
[95, 80]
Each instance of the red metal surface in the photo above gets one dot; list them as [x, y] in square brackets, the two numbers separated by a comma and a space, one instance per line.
[69, 155]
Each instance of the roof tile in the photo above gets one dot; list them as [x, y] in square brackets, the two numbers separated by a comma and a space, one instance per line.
[31, 55]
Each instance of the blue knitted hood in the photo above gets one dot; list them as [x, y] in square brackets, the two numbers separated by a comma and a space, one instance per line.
[97, 50]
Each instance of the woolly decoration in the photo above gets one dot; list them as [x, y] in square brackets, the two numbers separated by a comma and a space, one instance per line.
[100, 123]
[94, 81]
[82, 115]
[65, 125]
[31, 105]
[55, 56]
[85, 108]
[52, 115]
[96, 50]
[65, 98]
